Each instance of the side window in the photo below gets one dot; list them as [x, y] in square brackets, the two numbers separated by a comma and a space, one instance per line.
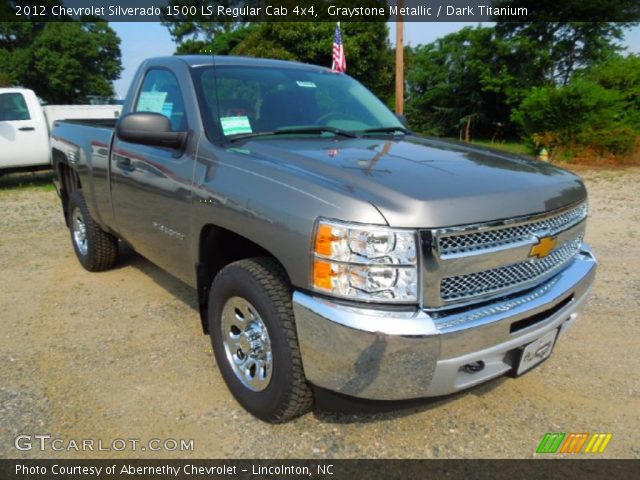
[13, 107]
[160, 93]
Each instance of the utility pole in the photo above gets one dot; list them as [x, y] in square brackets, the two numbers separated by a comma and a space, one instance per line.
[400, 62]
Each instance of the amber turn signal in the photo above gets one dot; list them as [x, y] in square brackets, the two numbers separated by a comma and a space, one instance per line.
[324, 240]
[322, 275]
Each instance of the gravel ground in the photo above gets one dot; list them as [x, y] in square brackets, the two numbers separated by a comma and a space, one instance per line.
[120, 355]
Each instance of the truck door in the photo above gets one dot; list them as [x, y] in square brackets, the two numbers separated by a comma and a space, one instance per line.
[151, 186]
[24, 140]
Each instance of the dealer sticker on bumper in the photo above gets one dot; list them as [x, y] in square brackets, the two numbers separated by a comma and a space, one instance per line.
[537, 351]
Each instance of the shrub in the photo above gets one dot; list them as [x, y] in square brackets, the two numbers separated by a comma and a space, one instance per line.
[570, 119]
[623, 75]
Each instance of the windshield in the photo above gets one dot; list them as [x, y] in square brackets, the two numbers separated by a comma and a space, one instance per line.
[242, 101]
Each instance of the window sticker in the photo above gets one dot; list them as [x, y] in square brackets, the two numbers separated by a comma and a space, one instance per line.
[235, 125]
[306, 84]
[152, 102]
[167, 109]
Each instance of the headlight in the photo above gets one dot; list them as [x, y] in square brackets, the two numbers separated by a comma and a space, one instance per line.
[364, 262]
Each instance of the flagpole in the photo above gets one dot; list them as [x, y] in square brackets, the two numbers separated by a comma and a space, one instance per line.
[339, 61]
[340, 33]
[400, 62]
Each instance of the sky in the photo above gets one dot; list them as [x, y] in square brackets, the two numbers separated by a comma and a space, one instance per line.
[148, 39]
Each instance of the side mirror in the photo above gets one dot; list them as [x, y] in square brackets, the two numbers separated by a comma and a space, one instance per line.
[148, 128]
[403, 119]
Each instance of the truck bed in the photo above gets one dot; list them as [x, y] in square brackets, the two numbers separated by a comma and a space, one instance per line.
[54, 113]
[83, 140]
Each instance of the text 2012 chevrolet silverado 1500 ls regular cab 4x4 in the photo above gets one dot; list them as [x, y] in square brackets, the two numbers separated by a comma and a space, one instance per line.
[329, 246]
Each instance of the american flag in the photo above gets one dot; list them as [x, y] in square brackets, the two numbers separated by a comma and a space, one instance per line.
[339, 60]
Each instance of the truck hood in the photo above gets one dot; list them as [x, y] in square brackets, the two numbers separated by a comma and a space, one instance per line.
[421, 182]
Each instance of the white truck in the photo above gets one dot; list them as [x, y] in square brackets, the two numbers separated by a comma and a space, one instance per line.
[25, 125]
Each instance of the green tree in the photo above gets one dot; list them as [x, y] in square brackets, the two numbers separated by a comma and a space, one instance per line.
[621, 74]
[471, 80]
[196, 31]
[598, 111]
[222, 43]
[461, 82]
[5, 81]
[553, 45]
[64, 62]
[571, 118]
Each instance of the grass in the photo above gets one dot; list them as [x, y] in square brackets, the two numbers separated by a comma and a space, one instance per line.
[40, 181]
[511, 147]
[585, 157]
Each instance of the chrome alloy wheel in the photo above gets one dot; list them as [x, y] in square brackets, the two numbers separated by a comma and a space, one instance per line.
[246, 344]
[79, 228]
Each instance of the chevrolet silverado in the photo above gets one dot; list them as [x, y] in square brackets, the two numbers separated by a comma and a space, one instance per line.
[329, 246]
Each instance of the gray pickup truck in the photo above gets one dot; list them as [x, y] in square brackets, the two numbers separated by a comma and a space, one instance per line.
[330, 247]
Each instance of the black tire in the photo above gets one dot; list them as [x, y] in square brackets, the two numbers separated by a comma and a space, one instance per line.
[100, 251]
[262, 282]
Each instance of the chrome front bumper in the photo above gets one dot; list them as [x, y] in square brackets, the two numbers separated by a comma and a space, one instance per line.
[398, 354]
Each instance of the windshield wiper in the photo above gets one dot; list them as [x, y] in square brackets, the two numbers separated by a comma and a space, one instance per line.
[293, 130]
[316, 129]
[402, 130]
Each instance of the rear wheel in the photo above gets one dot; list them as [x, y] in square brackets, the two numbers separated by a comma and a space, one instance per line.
[96, 249]
[254, 340]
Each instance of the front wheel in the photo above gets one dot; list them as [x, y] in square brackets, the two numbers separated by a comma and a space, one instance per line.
[254, 340]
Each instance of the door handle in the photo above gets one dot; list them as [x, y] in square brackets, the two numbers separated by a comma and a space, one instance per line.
[26, 129]
[125, 164]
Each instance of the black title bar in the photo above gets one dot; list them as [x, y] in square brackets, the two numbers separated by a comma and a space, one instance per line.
[320, 10]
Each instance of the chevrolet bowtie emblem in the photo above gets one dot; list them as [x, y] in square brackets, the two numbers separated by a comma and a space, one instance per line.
[544, 247]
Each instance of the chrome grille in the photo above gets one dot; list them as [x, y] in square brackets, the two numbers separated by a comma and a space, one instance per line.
[457, 243]
[488, 281]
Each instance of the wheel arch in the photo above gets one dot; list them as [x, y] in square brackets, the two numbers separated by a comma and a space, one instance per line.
[217, 248]
[68, 179]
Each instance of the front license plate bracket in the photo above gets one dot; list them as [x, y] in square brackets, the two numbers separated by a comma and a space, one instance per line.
[536, 352]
